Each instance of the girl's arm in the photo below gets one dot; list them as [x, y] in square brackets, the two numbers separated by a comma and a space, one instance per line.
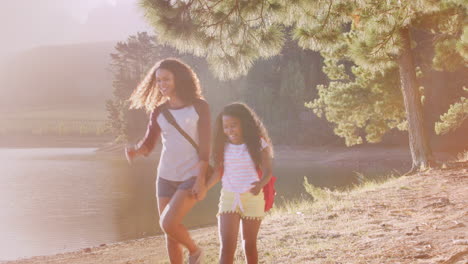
[266, 167]
[215, 178]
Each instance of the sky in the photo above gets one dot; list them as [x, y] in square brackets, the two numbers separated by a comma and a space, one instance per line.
[25, 24]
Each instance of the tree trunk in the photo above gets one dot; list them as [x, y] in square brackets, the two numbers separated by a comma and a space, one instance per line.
[421, 152]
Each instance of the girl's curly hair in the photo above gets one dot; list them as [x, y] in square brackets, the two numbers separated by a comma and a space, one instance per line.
[253, 131]
[147, 94]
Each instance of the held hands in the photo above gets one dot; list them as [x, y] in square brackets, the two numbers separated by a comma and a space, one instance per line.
[199, 190]
[257, 187]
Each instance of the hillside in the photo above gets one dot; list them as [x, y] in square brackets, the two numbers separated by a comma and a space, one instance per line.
[57, 76]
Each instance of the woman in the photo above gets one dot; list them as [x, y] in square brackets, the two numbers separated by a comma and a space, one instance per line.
[173, 86]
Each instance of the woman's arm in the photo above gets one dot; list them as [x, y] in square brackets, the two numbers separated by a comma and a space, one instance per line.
[147, 144]
[204, 142]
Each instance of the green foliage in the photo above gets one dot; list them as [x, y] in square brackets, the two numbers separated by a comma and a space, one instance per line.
[230, 34]
[364, 33]
[115, 118]
[447, 56]
[462, 156]
[371, 104]
[334, 70]
[462, 45]
[275, 87]
[454, 117]
[318, 194]
[291, 93]
[129, 64]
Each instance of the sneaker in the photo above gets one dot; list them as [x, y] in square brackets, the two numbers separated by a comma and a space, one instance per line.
[197, 257]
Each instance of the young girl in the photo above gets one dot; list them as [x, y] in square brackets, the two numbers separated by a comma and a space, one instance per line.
[172, 85]
[241, 149]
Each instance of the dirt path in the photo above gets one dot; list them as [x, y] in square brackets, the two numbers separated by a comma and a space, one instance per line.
[413, 219]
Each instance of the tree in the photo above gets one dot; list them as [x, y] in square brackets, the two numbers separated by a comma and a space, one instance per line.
[128, 65]
[365, 44]
[291, 93]
[276, 89]
[454, 117]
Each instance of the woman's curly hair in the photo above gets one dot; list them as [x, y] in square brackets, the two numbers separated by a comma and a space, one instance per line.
[253, 131]
[147, 94]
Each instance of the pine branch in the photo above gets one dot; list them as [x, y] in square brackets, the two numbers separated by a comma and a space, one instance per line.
[328, 15]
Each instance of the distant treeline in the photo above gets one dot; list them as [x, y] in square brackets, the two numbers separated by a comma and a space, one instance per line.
[85, 76]
[276, 89]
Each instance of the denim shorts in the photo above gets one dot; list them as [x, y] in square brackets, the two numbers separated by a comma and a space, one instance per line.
[167, 188]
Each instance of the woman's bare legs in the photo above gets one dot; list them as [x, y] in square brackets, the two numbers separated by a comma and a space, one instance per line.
[172, 211]
[228, 230]
[174, 249]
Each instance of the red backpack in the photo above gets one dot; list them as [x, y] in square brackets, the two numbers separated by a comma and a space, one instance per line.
[269, 191]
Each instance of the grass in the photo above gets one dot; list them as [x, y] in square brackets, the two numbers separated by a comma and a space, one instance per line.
[315, 233]
[65, 112]
[304, 229]
[293, 206]
[56, 127]
[325, 198]
[462, 156]
[332, 226]
[56, 121]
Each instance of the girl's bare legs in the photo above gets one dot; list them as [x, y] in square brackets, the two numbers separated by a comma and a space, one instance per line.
[228, 230]
[250, 230]
[172, 211]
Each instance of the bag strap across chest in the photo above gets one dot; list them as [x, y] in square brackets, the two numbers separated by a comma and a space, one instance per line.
[170, 118]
